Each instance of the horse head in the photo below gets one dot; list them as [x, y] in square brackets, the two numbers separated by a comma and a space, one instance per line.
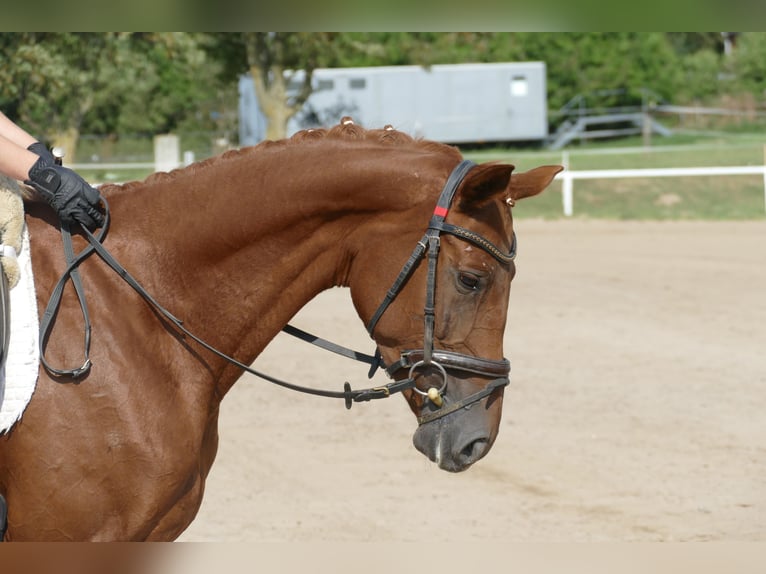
[441, 325]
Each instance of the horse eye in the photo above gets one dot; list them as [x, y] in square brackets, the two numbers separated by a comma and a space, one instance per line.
[469, 281]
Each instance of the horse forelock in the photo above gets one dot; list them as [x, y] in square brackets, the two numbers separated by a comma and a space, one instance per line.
[351, 133]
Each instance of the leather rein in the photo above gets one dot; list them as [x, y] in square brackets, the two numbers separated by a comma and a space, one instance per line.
[414, 360]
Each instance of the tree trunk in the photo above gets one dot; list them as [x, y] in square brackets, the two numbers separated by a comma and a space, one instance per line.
[272, 98]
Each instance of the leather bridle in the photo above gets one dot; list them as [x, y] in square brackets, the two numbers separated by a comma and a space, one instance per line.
[427, 358]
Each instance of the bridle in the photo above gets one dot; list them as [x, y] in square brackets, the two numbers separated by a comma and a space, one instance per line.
[415, 360]
[428, 357]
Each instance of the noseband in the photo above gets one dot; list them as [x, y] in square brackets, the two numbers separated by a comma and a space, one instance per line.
[415, 360]
[428, 357]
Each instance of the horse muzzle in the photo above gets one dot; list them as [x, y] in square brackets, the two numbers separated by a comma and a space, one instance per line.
[461, 430]
[456, 426]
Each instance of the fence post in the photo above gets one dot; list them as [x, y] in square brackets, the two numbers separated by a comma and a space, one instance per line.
[166, 152]
[764, 188]
[567, 186]
[764, 177]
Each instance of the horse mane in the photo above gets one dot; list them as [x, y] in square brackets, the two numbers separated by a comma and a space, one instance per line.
[346, 130]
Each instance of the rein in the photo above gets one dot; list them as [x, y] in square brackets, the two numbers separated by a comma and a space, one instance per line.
[96, 246]
[414, 360]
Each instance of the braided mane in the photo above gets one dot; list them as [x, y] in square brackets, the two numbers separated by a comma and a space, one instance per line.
[345, 130]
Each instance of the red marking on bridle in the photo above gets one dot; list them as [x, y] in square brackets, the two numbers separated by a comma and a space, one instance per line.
[440, 211]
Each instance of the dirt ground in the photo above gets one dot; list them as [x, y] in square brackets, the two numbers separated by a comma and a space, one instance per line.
[635, 410]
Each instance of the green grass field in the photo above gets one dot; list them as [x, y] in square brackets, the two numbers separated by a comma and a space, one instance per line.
[671, 198]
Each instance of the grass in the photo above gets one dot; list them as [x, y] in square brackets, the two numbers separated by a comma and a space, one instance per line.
[705, 198]
[672, 198]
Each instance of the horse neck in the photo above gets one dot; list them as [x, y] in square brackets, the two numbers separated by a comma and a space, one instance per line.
[248, 240]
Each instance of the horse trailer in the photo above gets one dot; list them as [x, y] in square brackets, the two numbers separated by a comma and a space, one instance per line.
[457, 104]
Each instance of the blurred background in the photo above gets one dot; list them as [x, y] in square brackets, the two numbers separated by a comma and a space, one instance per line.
[594, 100]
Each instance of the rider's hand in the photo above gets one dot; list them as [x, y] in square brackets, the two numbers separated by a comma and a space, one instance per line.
[69, 194]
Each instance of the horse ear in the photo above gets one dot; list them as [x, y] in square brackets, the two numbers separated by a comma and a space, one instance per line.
[532, 182]
[483, 182]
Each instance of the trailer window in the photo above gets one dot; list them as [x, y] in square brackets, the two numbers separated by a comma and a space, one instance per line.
[519, 86]
[325, 85]
[357, 83]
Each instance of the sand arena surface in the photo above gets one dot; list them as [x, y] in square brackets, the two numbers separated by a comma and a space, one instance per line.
[636, 410]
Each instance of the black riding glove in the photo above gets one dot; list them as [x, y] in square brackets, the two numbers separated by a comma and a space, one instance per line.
[41, 150]
[69, 194]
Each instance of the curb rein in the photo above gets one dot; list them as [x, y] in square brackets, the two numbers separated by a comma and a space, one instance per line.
[414, 360]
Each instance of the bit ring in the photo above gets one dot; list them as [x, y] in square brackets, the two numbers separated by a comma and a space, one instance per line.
[431, 364]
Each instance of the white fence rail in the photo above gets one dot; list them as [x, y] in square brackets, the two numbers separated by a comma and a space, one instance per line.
[567, 177]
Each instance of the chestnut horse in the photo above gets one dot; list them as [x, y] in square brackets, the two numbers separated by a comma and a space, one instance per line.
[235, 246]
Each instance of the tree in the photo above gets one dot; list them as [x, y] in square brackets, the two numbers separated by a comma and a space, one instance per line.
[54, 78]
[56, 84]
[273, 59]
[160, 89]
[749, 63]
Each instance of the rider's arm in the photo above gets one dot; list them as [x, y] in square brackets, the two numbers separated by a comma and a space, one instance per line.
[15, 161]
[16, 157]
[17, 135]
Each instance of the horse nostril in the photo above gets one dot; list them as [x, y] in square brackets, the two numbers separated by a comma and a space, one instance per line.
[473, 451]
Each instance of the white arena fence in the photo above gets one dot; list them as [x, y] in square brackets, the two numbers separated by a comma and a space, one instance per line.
[567, 177]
